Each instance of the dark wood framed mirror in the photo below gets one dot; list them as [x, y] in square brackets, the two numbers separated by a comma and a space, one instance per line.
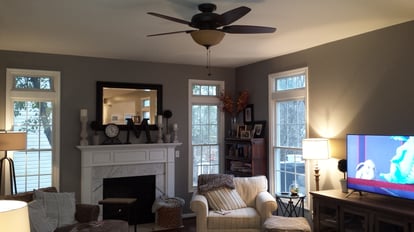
[117, 101]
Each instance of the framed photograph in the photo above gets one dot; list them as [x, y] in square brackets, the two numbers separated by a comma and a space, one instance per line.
[248, 114]
[115, 118]
[245, 134]
[240, 128]
[259, 129]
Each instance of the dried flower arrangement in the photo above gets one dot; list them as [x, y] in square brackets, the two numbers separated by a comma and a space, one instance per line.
[229, 106]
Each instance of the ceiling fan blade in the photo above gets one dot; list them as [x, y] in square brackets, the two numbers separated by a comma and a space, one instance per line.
[169, 33]
[235, 14]
[177, 20]
[246, 29]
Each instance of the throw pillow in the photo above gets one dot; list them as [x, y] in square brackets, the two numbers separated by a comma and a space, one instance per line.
[224, 199]
[38, 219]
[208, 182]
[60, 207]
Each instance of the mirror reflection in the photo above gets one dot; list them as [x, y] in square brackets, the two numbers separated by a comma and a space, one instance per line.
[121, 104]
[117, 102]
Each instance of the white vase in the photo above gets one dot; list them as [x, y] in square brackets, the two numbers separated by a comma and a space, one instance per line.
[344, 187]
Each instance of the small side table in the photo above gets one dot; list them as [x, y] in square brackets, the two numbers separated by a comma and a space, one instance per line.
[119, 208]
[290, 205]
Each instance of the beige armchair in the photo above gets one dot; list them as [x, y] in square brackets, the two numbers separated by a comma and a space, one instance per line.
[260, 205]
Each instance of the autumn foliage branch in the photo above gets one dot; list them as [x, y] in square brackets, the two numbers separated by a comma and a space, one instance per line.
[234, 107]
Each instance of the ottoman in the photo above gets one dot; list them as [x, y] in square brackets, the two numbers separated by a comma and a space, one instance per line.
[169, 212]
[286, 224]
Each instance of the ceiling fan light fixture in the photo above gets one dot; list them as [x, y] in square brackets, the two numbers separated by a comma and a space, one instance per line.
[207, 38]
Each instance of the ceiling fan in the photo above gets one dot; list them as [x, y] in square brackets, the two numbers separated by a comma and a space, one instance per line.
[210, 28]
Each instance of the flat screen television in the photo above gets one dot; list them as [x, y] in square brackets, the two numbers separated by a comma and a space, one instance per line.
[382, 164]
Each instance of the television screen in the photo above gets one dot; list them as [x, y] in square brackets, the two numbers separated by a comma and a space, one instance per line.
[382, 164]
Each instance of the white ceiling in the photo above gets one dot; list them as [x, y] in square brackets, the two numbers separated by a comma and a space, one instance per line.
[118, 28]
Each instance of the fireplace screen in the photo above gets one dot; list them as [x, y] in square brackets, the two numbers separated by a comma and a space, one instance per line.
[142, 188]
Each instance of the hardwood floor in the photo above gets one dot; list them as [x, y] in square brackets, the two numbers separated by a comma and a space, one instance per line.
[189, 225]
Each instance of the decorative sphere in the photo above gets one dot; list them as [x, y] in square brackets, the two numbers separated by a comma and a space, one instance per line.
[167, 114]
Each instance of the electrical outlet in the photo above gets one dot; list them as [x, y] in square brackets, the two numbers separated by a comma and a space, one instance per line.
[177, 154]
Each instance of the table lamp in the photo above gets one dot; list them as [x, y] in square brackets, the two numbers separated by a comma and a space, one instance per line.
[315, 149]
[14, 216]
[11, 141]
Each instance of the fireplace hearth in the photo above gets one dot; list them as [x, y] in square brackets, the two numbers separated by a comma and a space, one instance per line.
[141, 188]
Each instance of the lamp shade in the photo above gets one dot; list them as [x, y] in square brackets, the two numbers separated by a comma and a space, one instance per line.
[13, 141]
[14, 216]
[207, 38]
[315, 149]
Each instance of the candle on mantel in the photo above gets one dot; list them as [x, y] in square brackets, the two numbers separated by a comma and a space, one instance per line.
[159, 121]
[175, 126]
[84, 113]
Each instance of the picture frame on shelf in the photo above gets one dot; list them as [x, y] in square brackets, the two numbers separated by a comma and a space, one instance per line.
[240, 128]
[259, 129]
[116, 118]
[245, 134]
[248, 116]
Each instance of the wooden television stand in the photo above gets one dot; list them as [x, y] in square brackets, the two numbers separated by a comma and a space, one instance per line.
[337, 211]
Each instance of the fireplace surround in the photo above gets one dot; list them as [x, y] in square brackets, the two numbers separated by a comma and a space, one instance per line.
[111, 161]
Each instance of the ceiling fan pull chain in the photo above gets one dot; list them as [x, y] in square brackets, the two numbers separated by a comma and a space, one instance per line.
[209, 61]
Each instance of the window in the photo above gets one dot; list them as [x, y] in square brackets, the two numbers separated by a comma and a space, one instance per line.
[288, 128]
[146, 109]
[146, 102]
[206, 123]
[32, 106]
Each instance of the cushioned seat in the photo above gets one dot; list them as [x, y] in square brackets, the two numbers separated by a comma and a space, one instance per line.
[243, 218]
[286, 224]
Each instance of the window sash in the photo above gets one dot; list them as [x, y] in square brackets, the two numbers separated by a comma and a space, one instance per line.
[206, 128]
[38, 165]
[288, 108]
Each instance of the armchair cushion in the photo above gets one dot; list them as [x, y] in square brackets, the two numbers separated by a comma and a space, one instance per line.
[244, 218]
[38, 219]
[224, 199]
[60, 207]
[248, 188]
[208, 182]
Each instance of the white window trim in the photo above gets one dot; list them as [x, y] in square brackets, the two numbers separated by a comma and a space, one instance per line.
[53, 95]
[204, 100]
[272, 132]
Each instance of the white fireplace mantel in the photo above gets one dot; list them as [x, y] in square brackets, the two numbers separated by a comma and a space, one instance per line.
[115, 156]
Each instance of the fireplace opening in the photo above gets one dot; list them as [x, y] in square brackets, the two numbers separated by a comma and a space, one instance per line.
[142, 188]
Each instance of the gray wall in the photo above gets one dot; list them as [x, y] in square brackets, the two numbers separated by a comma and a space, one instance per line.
[363, 84]
[79, 76]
